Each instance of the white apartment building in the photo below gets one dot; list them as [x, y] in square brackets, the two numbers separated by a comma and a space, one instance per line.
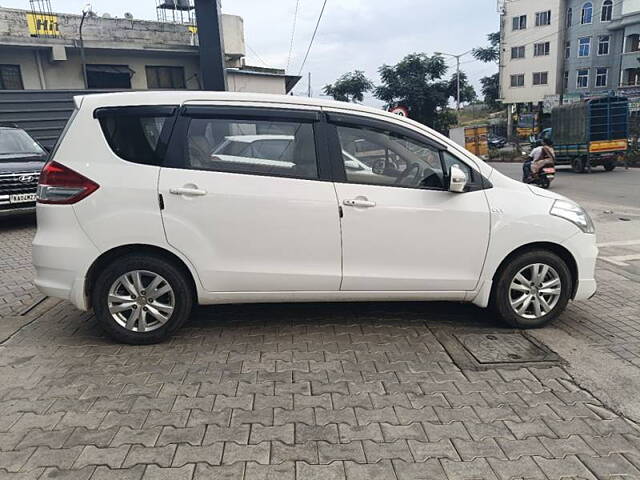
[531, 51]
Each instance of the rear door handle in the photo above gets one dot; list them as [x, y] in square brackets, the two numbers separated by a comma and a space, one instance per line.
[359, 203]
[193, 192]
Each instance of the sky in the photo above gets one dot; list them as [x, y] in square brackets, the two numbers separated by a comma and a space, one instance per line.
[353, 34]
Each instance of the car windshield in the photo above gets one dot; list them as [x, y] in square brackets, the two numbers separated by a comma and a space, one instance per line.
[14, 142]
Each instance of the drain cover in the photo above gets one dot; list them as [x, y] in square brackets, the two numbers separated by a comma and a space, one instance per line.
[504, 348]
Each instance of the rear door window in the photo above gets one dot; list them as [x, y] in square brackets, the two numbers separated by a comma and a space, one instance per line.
[136, 134]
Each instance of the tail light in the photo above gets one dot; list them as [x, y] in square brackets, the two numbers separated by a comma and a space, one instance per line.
[59, 185]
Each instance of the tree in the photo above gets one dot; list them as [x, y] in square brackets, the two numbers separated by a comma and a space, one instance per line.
[490, 84]
[350, 87]
[417, 83]
[467, 92]
[491, 91]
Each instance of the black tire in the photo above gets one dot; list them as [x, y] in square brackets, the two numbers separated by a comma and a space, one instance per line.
[174, 276]
[610, 166]
[544, 183]
[501, 294]
[577, 165]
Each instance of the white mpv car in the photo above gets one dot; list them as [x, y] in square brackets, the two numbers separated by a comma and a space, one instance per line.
[140, 216]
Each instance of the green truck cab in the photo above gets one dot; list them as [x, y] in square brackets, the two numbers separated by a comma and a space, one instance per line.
[590, 133]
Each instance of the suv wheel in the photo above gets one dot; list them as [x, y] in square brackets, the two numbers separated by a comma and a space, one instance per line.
[532, 290]
[141, 299]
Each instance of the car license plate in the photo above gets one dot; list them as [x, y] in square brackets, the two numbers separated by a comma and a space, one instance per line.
[22, 198]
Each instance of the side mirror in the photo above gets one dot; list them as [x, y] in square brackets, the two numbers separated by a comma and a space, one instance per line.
[457, 179]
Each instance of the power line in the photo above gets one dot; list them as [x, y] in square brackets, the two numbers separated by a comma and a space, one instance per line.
[257, 56]
[293, 34]
[313, 37]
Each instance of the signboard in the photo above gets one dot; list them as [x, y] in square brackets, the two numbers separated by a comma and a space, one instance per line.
[550, 102]
[41, 25]
[571, 98]
[400, 111]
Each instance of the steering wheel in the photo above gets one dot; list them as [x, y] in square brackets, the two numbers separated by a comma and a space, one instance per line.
[415, 179]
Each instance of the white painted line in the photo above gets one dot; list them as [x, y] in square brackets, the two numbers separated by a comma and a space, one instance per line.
[621, 260]
[624, 243]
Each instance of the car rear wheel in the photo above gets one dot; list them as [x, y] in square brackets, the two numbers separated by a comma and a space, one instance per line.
[532, 290]
[141, 299]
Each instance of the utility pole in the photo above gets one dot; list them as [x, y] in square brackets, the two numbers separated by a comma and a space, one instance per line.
[212, 62]
[457, 57]
[83, 58]
[309, 87]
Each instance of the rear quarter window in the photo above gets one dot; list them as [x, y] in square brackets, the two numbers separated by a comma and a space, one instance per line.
[135, 133]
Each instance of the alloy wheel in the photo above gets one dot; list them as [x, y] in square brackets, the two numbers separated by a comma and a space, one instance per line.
[535, 291]
[141, 301]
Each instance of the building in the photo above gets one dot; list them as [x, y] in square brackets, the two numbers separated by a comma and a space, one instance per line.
[531, 50]
[555, 51]
[594, 41]
[43, 51]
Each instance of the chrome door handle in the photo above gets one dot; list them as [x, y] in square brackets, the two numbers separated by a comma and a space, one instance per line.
[359, 203]
[194, 192]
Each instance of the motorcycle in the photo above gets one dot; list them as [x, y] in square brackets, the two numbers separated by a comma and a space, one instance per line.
[543, 178]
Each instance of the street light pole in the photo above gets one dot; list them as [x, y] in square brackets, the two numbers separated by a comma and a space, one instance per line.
[457, 57]
[83, 58]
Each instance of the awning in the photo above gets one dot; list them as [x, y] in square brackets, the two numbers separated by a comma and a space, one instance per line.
[113, 69]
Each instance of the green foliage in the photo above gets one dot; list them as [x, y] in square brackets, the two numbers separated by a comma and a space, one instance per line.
[492, 52]
[350, 87]
[491, 91]
[417, 83]
[467, 92]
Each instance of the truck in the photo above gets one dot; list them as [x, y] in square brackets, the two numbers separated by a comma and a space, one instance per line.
[591, 133]
[474, 139]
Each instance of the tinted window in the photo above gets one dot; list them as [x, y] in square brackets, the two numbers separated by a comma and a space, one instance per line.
[134, 133]
[261, 147]
[384, 158]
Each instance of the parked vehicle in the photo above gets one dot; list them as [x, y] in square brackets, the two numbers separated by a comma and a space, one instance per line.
[21, 159]
[590, 133]
[152, 222]
[496, 142]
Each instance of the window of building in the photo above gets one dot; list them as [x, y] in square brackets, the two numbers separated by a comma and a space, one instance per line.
[517, 52]
[633, 76]
[541, 49]
[541, 78]
[587, 13]
[582, 80]
[11, 77]
[517, 80]
[277, 148]
[604, 43]
[602, 77]
[632, 43]
[607, 11]
[109, 76]
[567, 50]
[543, 18]
[569, 17]
[520, 23]
[565, 81]
[584, 48]
[165, 77]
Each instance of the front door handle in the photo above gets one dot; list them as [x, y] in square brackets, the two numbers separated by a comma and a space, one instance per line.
[360, 202]
[192, 192]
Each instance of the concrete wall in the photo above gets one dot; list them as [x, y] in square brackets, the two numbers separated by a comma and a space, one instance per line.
[630, 6]
[109, 32]
[594, 31]
[550, 63]
[242, 82]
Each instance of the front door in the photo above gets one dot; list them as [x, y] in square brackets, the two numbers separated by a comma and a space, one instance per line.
[246, 202]
[402, 229]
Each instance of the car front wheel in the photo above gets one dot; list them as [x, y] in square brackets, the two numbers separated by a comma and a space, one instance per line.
[141, 299]
[532, 290]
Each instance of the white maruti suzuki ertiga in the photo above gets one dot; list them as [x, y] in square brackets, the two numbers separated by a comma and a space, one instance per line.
[154, 201]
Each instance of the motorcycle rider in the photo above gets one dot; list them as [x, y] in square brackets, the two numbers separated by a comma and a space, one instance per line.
[540, 157]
